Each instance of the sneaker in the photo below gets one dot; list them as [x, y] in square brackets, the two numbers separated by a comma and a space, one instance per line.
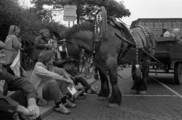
[92, 91]
[62, 109]
[70, 104]
[76, 95]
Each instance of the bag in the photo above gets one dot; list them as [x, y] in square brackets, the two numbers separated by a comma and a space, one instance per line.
[15, 66]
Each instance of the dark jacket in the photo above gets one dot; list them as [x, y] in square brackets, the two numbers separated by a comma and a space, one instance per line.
[39, 46]
[13, 83]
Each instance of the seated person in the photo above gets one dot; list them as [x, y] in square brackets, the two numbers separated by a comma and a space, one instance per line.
[70, 70]
[50, 85]
[22, 103]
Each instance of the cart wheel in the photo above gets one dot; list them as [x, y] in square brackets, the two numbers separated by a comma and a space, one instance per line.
[178, 73]
[133, 72]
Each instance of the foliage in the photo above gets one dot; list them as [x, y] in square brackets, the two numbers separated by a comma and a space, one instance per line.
[85, 6]
[12, 14]
[8, 16]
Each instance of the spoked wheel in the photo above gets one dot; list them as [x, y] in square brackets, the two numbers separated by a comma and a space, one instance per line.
[178, 73]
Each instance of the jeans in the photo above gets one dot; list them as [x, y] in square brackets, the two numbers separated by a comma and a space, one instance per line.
[83, 82]
[55, 90]
[19, 97]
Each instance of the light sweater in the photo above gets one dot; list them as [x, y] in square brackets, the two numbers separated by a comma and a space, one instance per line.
[40, 77]
[12, 45]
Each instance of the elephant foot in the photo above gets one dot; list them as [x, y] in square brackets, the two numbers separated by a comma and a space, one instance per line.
[113, 105]
[142, 92]
[101, 98]
[133, 91]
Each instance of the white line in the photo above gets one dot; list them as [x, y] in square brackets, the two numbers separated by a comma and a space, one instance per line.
[149, 95]
[168, 88]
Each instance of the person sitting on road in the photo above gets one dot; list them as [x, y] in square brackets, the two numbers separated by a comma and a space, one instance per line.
[21, 103]
[50, 85]
[70, 70]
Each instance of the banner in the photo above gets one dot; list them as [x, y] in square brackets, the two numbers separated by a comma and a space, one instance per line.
[15, 66]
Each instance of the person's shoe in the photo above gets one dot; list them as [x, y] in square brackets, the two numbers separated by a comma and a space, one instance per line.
[70, 104]
[62, 109]
[93, 91]
[82, 93]
[76, 95]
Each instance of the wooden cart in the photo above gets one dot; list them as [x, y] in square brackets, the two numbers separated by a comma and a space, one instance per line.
[169, 52]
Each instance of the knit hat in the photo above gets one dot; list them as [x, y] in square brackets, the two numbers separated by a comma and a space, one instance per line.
[45, 56]
[2, 45]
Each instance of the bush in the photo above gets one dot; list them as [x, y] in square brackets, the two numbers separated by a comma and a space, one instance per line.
[12, 14]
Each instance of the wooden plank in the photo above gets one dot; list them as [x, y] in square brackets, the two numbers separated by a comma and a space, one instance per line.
[165, 39]
[176, 51]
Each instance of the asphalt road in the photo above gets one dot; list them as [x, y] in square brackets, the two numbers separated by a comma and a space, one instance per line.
[154, 87]
[160, 102]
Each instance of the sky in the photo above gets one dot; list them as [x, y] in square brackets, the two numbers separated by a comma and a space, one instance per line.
[148, 9]
[152, 9]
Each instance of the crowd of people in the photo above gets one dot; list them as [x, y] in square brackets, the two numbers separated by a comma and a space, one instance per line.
[47, 81]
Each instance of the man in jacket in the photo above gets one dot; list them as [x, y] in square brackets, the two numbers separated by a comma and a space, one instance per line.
[23, 101]
[41, 43]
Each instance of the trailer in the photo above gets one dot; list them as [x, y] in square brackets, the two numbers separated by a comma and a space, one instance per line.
[169, 52]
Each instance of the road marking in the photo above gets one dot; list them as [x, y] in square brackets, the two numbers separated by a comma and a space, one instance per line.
[180, 96]
[149, 95]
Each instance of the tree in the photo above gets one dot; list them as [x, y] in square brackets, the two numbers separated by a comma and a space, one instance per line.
[11, 13]
[113, 8]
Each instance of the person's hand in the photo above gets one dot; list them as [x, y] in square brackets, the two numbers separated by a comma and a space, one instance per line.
[42, 102]
[22, 110]
[48, 46]
[70, 81]
[22, 49]
[24, 117]
[73, 78]
[34, 111]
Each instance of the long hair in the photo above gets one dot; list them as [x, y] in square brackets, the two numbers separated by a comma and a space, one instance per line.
[12, 30]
